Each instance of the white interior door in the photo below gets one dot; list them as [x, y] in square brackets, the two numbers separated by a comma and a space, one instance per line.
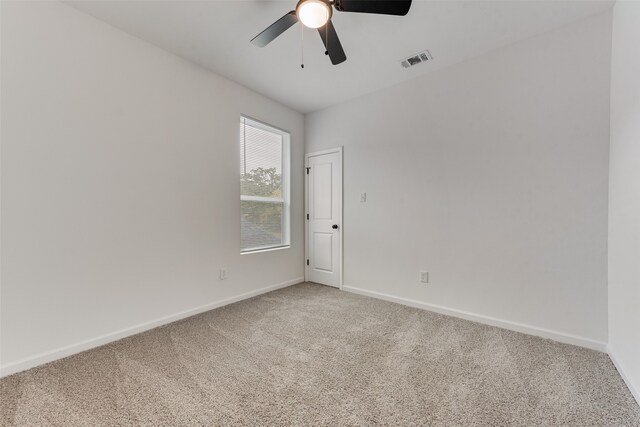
[324, 217]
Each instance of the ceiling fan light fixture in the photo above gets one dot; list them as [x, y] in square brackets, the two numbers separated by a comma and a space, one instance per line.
[317, 14]
[313, 13]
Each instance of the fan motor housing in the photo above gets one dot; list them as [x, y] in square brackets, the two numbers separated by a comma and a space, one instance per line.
[337, 4]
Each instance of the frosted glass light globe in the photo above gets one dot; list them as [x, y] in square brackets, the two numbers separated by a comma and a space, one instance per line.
[313, 13]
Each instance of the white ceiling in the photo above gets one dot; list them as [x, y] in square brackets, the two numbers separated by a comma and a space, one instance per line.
[216, 35]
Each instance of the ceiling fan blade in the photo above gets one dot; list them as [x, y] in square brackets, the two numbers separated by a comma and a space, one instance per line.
[332, 43]
[275, 29]
[385, 7]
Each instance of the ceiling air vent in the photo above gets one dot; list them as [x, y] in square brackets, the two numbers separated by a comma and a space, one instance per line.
[416, 59]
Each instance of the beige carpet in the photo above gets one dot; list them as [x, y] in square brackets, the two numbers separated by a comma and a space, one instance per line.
[312, 355]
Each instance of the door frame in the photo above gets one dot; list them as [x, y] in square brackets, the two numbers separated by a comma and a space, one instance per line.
[306, 210]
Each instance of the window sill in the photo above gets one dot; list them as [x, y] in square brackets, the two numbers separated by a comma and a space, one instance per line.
[257, 251]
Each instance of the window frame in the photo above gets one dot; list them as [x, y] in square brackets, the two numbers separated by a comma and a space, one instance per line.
[285, 179]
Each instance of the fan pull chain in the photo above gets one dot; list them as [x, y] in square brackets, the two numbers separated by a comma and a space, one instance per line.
[301, 46]
[326, 37]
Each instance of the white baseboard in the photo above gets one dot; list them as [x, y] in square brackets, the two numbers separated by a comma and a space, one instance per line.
[634, 391]
[59, 353]
[505, 324]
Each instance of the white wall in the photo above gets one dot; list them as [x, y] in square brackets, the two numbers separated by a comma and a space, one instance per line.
[624, 195]
[120, 185]
[492, 175]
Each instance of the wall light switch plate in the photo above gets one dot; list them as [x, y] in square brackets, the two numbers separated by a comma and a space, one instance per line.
[363, 197]
[424, 276]
[223, 273]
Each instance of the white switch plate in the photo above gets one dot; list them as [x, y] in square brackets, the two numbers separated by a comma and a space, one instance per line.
[223, 273]
[363, 197]
[424, 276]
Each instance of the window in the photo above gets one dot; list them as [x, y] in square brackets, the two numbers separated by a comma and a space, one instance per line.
[264, 186]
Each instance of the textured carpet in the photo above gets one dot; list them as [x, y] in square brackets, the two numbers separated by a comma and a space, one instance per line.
[312, 355]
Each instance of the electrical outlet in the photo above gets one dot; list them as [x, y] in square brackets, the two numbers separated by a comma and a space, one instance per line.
[424, 276]
[223, 273]
[363, 197]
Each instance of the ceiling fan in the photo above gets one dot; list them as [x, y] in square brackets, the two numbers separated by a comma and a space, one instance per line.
[316, 14]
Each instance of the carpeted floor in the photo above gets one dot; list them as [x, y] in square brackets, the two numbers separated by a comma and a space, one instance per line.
[312, 355]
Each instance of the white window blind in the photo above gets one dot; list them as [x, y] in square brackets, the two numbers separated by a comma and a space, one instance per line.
[264, 186]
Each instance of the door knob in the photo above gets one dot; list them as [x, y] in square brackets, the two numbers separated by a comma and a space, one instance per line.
[334, 226]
